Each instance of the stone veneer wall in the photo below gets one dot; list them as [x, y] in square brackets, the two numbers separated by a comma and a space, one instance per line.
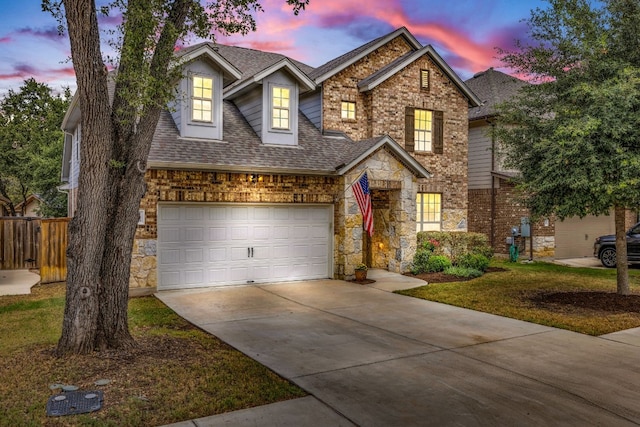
[397, 233]
[382, 111]
[197, 186]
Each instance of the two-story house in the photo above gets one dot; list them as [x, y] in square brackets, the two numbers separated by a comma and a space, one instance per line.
[494, 206]
[250, 172]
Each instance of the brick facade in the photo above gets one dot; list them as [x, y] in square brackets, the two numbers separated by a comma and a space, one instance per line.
[508, 212]
[382, 111]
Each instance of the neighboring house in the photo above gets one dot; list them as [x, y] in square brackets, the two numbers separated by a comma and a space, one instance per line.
[249, 175]
[493, 204]
[32, 206]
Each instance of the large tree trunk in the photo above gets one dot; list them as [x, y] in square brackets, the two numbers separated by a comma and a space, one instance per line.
[113, 152]
[621, 251]
[89, 225]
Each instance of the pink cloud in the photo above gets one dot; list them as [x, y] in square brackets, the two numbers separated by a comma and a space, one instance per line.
[5, 39]
[24, 71]
[50, 33]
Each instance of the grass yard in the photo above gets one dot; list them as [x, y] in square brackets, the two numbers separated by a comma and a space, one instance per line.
[177, 372]
[579, 299]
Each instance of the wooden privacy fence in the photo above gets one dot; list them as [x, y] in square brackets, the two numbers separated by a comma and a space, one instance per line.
[35, 243]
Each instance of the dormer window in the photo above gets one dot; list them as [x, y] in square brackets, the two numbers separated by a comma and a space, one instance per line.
[202, 99]
[280, 107]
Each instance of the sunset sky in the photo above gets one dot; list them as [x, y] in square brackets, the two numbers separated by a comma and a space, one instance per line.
[464, 32]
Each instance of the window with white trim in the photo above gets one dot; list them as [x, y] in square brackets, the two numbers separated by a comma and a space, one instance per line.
[423, 126]
[348, 110]
[202, 99]
[280, 107]
[429, 212]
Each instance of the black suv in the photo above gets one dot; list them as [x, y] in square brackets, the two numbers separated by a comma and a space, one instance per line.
[604, 247]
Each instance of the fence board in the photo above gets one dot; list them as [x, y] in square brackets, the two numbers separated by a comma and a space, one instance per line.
[53, 250]
[19, 246]
[35, 243]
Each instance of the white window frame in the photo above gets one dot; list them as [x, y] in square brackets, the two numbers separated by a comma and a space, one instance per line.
[423, 130]
[280, 108]
[428, 219]
[348, 110]
[198, 94]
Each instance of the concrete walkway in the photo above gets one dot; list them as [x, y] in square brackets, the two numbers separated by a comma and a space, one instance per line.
[369, 357]
[17, 282]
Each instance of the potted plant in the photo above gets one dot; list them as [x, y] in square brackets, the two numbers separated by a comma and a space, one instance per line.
[361, 272]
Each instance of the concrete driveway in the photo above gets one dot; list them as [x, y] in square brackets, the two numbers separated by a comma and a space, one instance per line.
[373, 358]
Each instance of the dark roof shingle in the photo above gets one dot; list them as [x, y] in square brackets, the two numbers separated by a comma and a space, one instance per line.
[492, 87]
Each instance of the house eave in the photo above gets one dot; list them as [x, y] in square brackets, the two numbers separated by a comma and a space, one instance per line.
[238, 169]
[210, 52]
[306, 84]
[399, 32]
[412, 164]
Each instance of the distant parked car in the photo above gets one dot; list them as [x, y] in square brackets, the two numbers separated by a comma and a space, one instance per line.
[604, 247]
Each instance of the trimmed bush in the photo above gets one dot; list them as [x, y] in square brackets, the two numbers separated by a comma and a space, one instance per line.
[463, 272]
[475, 261]
[437, 263]
[420, 261]
[455, 244]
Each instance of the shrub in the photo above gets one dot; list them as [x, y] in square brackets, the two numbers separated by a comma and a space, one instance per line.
[420, 261]
[475, 261]
[438, 263]
[463, 272]
[455, 244]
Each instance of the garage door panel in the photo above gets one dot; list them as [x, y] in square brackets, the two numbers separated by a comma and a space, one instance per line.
[217, 213]
[194, 234]
[170, 256]
[217, 254]
[281, 232]
[211, 245]
[239, 214]
[261, 232]
[300, 232]
[194, 277]
[217, 234]
[194, 255]
[194, 213]
[240, 233]
[240, 253]
[169, 235]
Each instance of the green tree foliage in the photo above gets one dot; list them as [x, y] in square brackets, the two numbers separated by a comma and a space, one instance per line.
[118, 124]
[575, 135]
[31, 147]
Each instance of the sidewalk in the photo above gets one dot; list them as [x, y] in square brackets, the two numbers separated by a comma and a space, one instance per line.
[17, 282]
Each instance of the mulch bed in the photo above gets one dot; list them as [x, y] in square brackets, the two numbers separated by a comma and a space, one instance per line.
[444, 278]
[599, 301]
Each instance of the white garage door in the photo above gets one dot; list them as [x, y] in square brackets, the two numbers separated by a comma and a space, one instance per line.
[211, 245]
[574, 236]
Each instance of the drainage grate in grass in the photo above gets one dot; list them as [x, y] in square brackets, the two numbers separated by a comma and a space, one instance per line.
[74, 402]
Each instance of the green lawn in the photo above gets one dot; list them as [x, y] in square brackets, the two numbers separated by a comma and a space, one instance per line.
[177, 372]
[508, 293]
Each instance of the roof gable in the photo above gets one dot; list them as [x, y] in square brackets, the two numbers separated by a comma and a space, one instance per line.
[209, 51]
[338, 64]
[305, 83]
[394, 67]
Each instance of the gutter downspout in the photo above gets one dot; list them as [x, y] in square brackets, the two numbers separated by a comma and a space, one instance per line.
[493, 180]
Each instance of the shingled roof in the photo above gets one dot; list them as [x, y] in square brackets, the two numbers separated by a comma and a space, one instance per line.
[493, 88]
[243, 150]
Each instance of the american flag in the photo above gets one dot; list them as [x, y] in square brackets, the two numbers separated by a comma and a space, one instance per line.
[363, 197]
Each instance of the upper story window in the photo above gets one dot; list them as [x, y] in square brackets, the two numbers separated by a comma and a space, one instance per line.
[202, 99]
[280, 107]
[423, 128]
[424, 80]
[348, 110]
